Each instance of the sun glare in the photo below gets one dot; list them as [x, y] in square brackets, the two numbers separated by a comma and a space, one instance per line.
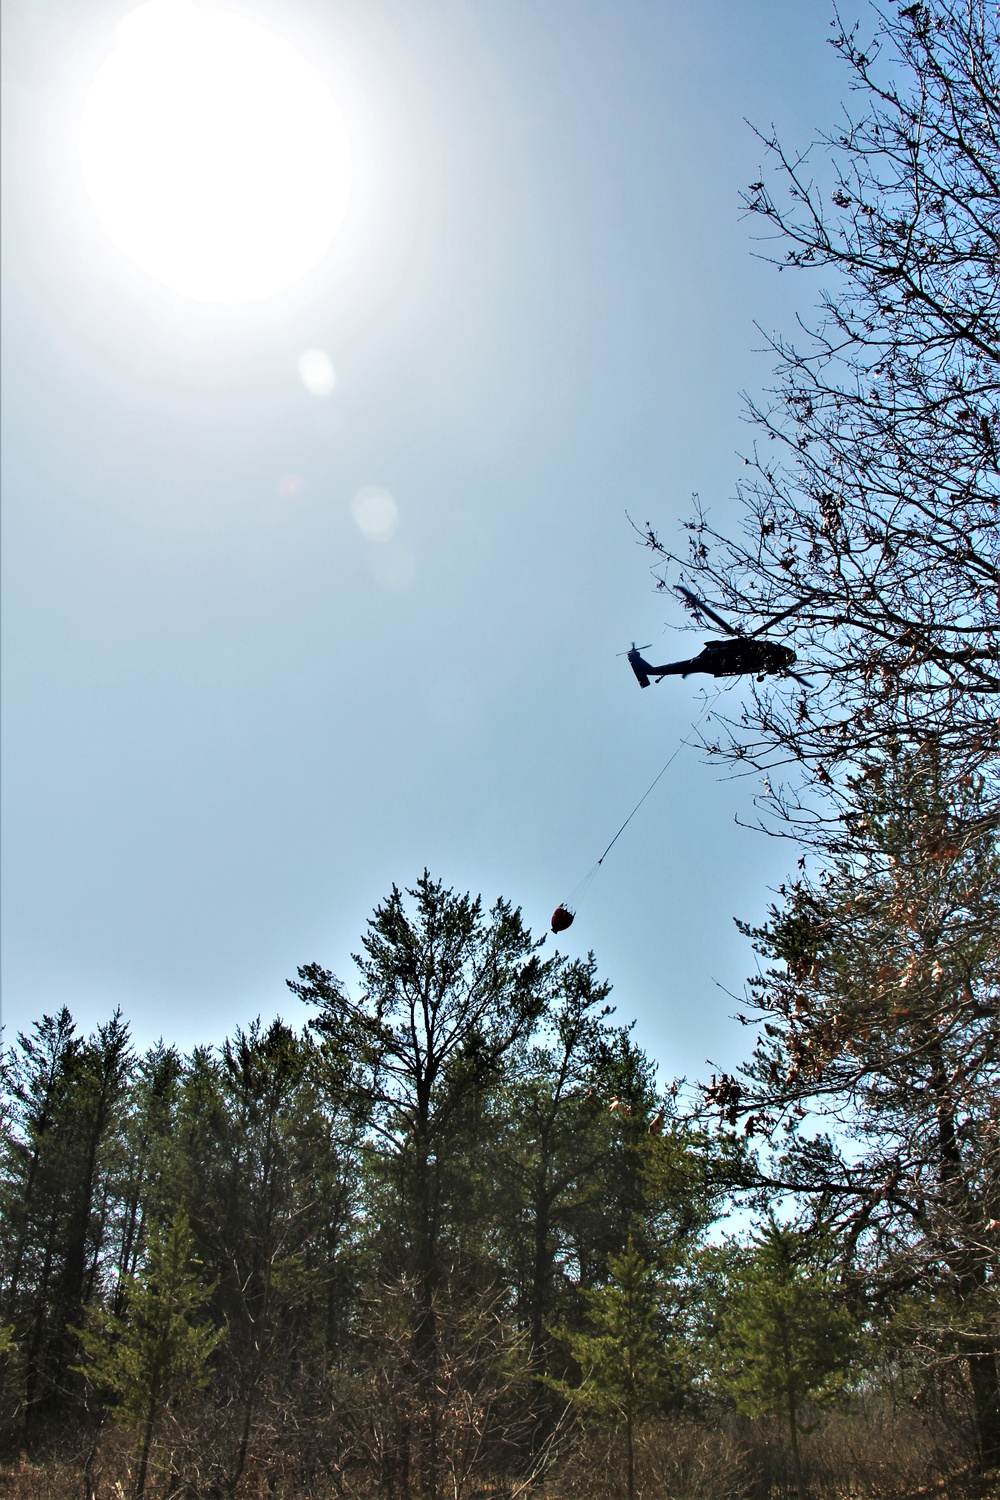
[214, 153]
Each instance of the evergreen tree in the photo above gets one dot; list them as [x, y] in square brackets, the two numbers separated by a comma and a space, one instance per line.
[880, 1013]
[37, 1074]
[267, 1167]
[554, 1120]
[629, 1365]
[145, 1182]
[160, 1350]
[449, 994]
[66, 1093]
[785, 1339]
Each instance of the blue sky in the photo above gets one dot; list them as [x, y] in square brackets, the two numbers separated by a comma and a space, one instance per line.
[231, 721]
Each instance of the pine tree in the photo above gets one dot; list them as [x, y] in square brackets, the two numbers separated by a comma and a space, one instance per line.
[785, 1339]
[879, 1004]
[556, 1130]
[56, 1190]
[449, 994]
[629, 1365]
[148, 1161]
[159, 1351]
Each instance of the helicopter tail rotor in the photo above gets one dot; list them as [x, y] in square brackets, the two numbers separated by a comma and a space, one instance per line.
[639, 667]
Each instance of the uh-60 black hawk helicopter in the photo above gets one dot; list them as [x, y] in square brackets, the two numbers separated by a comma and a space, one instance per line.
[734, 657]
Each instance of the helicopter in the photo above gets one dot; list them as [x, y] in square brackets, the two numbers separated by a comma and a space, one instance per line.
[731, 658]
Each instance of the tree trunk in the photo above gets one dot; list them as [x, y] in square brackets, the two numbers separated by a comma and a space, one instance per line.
[966, 1263]
[89, 1488]
[541, 1273]
[425, 1358]
[629, 1457]
[425, 1331]
[244, 1443]
[147, 1442]
[986, 1405]
[543, 1408]
[793, 1433]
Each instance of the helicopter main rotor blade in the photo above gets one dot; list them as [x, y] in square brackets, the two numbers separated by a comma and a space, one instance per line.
[700, 607]
[783, 616]
[799, 678]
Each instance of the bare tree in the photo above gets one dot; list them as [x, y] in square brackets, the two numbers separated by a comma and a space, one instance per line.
[873, 505]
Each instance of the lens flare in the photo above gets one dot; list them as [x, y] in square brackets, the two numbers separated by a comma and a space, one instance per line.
[375, 513]
[316, 372]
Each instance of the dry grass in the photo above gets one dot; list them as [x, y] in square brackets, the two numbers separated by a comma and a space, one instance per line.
[887, 1455]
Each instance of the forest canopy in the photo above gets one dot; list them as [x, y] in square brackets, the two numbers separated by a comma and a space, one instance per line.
[455, 1234]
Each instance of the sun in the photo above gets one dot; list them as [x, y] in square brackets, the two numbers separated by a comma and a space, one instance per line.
[214, 153]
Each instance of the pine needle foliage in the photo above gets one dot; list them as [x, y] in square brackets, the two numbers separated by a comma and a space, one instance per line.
[160, 1352]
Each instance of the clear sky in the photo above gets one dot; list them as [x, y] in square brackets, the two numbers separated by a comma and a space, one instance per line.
[231, 720]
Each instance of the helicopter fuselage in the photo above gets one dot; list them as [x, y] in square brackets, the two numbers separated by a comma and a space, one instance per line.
[730, 658]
